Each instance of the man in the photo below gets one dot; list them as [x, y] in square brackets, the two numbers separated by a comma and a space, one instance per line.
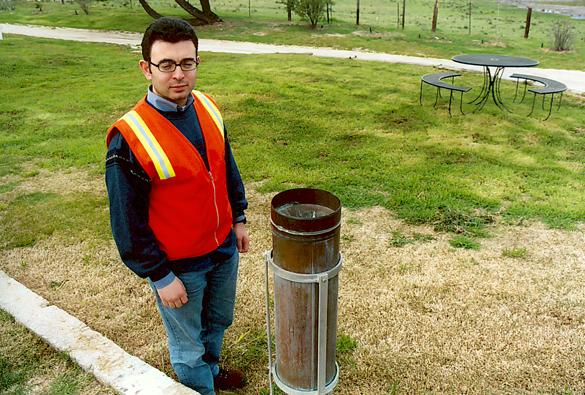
[177, 205]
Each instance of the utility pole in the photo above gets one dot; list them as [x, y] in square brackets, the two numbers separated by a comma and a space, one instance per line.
[357, 13]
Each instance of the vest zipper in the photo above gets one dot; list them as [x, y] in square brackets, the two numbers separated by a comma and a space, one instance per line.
[216, 209]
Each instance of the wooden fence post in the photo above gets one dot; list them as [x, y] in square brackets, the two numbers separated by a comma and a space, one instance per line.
[527, 27]
[469, 24]
[398, 15]
[403, 12]
[435, 16]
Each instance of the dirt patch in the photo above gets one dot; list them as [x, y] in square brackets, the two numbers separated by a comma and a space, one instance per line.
[329, 35]
[362, 33]
[426, 317]
[494, 44]
[42, 180]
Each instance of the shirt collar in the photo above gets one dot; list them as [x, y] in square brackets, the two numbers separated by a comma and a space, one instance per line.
[162, 104]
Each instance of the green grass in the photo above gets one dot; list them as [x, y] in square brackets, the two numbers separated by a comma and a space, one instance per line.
[292, 121]
[464, 242]
[399, 239]
[345, 344]
[247, 349]
[517, 253]
[495, 28]
[36, 216]
[466, 222]
[27, 365]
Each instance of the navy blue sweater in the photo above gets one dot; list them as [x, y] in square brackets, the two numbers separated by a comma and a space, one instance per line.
[129, 189]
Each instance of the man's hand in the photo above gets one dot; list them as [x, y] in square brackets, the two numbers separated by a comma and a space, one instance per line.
[242, 237]
[173, 295]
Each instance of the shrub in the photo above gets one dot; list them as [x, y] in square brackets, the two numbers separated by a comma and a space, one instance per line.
[7, 5]
[563, 35]
[311, 10]
[84, 5]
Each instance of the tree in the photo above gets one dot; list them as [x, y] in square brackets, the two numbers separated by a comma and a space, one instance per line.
[149, 10]
[290, 6]
[84, 5]
[203, 16]
[311, 10]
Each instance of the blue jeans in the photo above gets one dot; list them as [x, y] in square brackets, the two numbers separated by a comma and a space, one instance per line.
[195, 330]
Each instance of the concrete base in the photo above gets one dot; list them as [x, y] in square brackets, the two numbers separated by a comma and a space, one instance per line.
[95, 353]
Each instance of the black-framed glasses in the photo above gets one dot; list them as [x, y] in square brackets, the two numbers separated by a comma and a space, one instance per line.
[168, 66]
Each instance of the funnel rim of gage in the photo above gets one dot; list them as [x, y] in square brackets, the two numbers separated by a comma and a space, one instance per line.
[306, 196]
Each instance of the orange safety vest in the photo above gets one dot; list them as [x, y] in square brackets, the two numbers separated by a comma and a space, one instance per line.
[189, 209]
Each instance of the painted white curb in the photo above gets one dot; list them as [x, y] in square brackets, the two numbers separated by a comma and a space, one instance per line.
[95, 353]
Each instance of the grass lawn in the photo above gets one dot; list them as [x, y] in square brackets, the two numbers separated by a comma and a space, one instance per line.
[495, 28]
[416, 185]
[324, 123]
[29, 366]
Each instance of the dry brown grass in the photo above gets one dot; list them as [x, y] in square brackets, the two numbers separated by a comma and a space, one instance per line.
[69, 181]
[427, 317]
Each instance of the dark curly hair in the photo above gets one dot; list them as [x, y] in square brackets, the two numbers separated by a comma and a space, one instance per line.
[167, 29]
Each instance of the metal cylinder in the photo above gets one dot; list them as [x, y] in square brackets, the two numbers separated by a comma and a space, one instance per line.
[305, 259]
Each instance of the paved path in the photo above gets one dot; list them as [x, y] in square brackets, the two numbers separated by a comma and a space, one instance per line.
[575, 80]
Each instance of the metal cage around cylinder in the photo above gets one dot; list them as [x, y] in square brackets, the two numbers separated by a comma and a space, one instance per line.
[305, 261]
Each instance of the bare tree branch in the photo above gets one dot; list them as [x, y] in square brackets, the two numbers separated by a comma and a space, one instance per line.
[201, 18]
[149, 10]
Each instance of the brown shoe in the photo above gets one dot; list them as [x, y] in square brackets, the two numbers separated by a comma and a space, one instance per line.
[229, 379]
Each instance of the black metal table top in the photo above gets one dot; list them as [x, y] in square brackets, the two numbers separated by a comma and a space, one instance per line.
[495, 60]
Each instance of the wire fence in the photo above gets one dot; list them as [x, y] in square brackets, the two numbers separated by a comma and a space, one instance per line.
[387, 13]
[488, 17]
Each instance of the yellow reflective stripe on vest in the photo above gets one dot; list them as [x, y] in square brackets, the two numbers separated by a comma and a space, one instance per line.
[211, 109]
[155, 152]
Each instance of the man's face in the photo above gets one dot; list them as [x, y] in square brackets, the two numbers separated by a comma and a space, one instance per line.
[175, 86]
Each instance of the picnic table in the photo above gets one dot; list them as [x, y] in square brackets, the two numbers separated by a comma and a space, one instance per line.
[492, 80]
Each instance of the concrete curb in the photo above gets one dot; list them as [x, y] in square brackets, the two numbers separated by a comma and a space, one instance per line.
[95, 353]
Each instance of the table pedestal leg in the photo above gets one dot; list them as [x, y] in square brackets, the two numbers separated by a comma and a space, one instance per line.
[497, 91]
[492, 89]
[488, 90]
[483, 91]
